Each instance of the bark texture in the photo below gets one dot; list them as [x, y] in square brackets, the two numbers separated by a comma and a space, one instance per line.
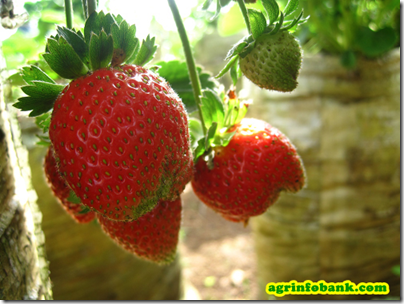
[24, 272]
[345, 225]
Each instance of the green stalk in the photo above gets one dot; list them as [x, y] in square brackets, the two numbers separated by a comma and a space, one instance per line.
[193, 74]
[69, 14]
[91, 7]
[243, 9]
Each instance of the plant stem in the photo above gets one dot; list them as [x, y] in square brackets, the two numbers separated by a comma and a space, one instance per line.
[69, 14]
[91, 7]
[193, 74]
[243, 9]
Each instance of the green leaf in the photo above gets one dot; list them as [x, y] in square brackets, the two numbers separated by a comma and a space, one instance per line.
[76, 41]
[372, 43]
[43, 121]
[396, 270]
[33, 73]
[43, 141]
[146, 52]
[101, 50]
[176, 74]
[125, 42]
[272, 9]
[291, 6]
[212, 109]
[40, 99]
[63, 60]
[73, 198]
[348, 59]
[258, 22]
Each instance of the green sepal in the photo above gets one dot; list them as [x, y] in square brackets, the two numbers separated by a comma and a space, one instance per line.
[43, 141]
[200, 149]
[63, 60]
[224, 139]
[73, 198]
[84, 209]
[96, 23]
[258, 22]
[210, 135]
[76, 40]
[40, 99]
[278, 25]
[206, 4]
[235, 72]
[289, 24]
[146, 51]
[33, 73]
[43, 121]
[272, 9]
[227, 67]
[125, 42]
[101, 50]
[290, 7]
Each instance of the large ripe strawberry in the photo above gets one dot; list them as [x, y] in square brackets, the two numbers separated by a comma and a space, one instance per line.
[274, 62]
[152, 237]
[122, 142]
[250, 172]
[62, 191]
[119, 132]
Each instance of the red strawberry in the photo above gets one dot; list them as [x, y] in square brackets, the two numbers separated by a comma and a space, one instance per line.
[250, 172]
[62, 191]
[153, 237]
[121, 140]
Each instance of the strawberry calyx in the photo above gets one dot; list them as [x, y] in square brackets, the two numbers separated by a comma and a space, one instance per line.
[107, 41]
[220, 113]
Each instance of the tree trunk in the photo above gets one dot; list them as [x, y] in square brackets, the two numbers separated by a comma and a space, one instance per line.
[24, 273]
[345, 225]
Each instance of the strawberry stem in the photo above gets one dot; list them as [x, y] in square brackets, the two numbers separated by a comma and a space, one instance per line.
[193, 74]
[243, 9]
[91, 7]
[69, 14]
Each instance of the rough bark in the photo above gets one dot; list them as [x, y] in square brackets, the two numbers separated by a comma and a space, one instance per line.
[24, 272]
[346, 224]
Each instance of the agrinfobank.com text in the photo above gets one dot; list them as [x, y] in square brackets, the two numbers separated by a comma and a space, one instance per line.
[323, 288]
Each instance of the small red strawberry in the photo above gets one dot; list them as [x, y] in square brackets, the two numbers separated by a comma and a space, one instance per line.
[250, 172]
[121, 140]
[62, 191]
[152, 237]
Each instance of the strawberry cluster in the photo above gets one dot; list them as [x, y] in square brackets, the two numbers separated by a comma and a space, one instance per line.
[122, 147]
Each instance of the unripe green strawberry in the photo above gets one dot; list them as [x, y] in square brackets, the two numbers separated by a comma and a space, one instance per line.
[152, 237]
[249, 173]
[121, 140]
[62, 192]
[274, 62]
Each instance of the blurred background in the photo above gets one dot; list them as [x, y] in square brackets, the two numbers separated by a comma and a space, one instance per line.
[344, 119]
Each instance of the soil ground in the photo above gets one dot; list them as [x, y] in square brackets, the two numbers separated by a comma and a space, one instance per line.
[218, 256]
